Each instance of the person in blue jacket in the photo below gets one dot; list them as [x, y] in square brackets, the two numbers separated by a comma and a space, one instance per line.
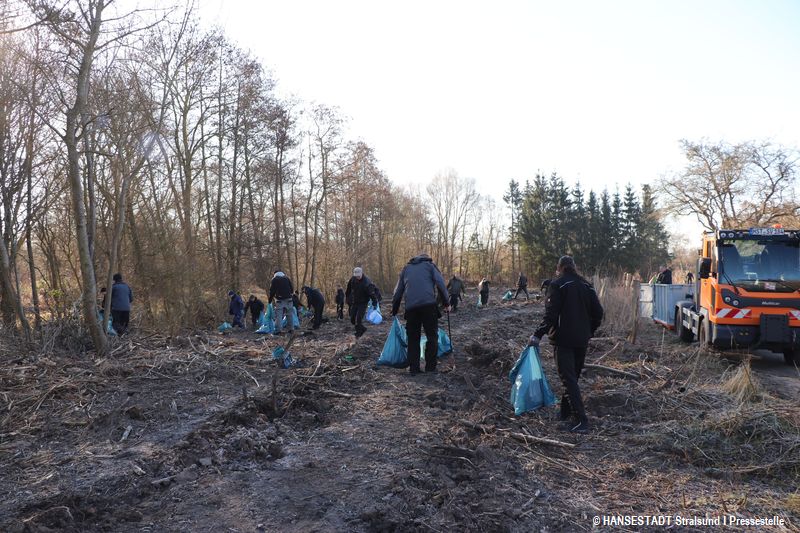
[121, 299]
[236, 308]
[419, 282]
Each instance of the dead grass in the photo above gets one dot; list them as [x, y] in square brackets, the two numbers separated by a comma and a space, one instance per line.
[742, 385]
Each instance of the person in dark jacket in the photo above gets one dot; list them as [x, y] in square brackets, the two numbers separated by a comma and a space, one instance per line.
[281, 292]
[339, 302]
[455, 287]
[236, 308]
[665, 276]
[360, 291]
[420, 281]
[522, 285]
[689, 278]
[316, 301]
[256, 307]
[572, 314]
[121, 299]
[483, 289]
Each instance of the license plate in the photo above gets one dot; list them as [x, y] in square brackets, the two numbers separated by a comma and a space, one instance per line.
[766, 231]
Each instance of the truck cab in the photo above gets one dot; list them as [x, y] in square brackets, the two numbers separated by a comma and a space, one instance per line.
[747, 292]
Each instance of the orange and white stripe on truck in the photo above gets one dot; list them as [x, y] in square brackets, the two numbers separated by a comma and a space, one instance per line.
[728, 312]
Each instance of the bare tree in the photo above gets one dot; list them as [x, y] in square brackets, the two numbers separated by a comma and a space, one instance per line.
[733, 185]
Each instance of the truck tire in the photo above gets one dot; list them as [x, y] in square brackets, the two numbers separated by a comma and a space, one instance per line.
[702, 335]
[683, 332]
[789, 357]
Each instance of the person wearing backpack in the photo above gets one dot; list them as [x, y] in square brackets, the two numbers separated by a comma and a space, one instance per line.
[421, 282]
[572, 315]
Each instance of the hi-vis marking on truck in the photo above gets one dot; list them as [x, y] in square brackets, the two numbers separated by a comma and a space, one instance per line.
[723, 313]
[795, 314]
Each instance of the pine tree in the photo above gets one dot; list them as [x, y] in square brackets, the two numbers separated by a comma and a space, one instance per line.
[513, 198]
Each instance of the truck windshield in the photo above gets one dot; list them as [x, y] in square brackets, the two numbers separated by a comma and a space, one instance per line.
[762, 265]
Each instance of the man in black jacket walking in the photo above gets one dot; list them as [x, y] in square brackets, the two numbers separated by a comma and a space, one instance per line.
[522, 285]
[419, 282]
[360, 291]
[572, 314]
[455, 287]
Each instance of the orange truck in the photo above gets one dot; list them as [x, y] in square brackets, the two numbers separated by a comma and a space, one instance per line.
[747, 292]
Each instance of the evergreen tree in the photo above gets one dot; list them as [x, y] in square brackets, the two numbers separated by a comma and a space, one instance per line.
[513, 198]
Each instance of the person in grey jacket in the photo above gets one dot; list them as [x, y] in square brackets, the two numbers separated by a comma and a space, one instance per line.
[420, 280]
[121, 299]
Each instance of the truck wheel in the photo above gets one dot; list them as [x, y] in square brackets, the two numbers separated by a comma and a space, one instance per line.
[702, 335]
[683, 332]
[789, 357]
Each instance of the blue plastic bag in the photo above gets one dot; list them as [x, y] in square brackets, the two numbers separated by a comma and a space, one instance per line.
[268, 327]
[479, 301]
[395, 349]
[295, 319]
[529, 389]
[443, 345]
[507, 296]
[374, 316]
[225, 326]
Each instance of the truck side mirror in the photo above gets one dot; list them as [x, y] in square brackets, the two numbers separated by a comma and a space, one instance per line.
[704, 268]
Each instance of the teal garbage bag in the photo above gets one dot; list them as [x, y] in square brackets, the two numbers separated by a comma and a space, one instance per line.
[443, 345]
[374, 316]
[507, 296]
[261, 318]
[225, 326]
[295, 319]
[395, 349]
[110, 329]
[268, 327]
[529, 389]
[479, 301]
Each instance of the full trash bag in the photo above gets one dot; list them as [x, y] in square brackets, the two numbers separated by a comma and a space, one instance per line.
[529, 388]
[295, 319]
[479, 301]
[507, 296]
[395, 349]
[269, 317]
[268, 327]
[225, 326]
[443, 345]
[374, 316]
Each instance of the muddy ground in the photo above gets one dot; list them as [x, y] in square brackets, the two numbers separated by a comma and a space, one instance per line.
[203, 432]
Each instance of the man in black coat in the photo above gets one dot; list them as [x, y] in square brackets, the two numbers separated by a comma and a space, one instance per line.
[572, 314]
[360, 291]
[522, 286]
[256, 307]
[455, 287]
[281, 291]
[121, 299]
[665, 276]
[339, 302]
[316, 301]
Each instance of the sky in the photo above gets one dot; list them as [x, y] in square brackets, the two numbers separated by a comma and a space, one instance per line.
[600, 92]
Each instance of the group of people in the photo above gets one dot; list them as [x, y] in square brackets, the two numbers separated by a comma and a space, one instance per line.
[572, 314]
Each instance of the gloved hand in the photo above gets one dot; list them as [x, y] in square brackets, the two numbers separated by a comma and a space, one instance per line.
[534, 341]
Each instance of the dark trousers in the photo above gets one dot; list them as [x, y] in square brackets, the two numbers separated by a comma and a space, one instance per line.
[254, 319]
[340, 311]
[119, 321]
[357, 312]
[569, 362]
[423, 318]
[454, 301]
[318, 315]
[237, 319]
[484, 298]
[523, 289]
